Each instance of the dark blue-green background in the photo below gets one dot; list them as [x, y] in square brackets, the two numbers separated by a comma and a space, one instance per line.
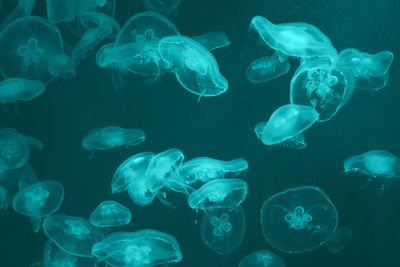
[222, 127]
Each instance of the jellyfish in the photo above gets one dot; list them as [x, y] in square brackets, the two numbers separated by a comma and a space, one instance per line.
[222, 230]
[93, 19]
[74, 235]
[62, 66]
[219, 193]
[21, 9]
[110, 213]
[195, 68]
[27, 45]
[295, 39]
[286, 123]
[106, 57]
[323, 86]
[112, 136]
[164, 7]
[266, 68]
[212, 40]
[371, 71]
[20, 89]
[142, 248]
[262, 258]
[89, 41]
[5, 198]
[339, 239]
[14, 150]
[298, 219]
[20, 177]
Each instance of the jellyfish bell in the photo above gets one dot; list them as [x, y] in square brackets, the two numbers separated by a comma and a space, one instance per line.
[62, 66]
[212, 40]
[339, 239]
[266, 68]
[20, 89]
[262, 258]
[14, 150]
[92, 19]
[110, 214]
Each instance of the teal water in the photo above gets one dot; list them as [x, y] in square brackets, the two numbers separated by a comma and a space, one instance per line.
[222, 127]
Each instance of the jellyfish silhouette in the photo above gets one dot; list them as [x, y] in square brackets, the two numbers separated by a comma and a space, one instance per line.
[262, 258]
[110, 213]
[266, 68]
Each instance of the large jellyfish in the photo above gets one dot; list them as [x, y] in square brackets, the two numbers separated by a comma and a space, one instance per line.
[142, 248]
[219, 193]
[194, 66]
[266, 68]
[19, 89]
[27, 45]
[62, 66]
[110, 213]
[339, 239]
[262, 258]
[295, 39]
[74, 235]
[223, 229]
[164, 7]
[298, 219]
[322, 85]
[212, 40]
[286, 124]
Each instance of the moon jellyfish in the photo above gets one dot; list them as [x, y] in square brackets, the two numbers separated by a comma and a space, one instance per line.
[27, 45]
[5, 198]
[164, 7]
[195, 68]
[222, 230]
[212, 40]
[14, 150]
[267, 68]
[142, 248]
[62, 66]
[371, 71]
[286, 123]
[20, 89]
[295, 39]
[219, 193]
[90, 39]
[321, 85]
[298, 219]
[106, 56]
[262, 258]
[74, 235]
[339, 239]
[93, 19]
[110, 213]
[112, 136]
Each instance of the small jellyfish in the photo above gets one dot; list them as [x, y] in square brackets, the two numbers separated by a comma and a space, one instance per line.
[112, 136]
[5, 198]
[22, 177]
[222, 230]
[267, 68]
[20, 89]
[164, 7]
[90, 39]
[142, 248]
[14, 150]
[74, 235]
[62, 66]
[93, 19]
[262, 258]
[298, 219]
[339, 239]
[212, 40]
[28, 44]
[106, 57]
[219, 193]
[195, 68]
[286, 123]
[294, 39]
[109, 214]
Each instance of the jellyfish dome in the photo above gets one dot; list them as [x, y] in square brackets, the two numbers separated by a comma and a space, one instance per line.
[19, 89]
[212, 40]
[74, 235]
[262, 258]
[164, 7]
[287, 122]
[219, 193]
[28, 44]
[14, 150]
[142, 248]
[109, 214]
[266, 68]
[339, 239]
[298, 219]
[62, 66]
[374, 163]
[222, 230]
[294, 39]
[40, 199]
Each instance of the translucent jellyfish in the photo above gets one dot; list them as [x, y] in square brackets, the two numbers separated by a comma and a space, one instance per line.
[28, 44]
[62, 66]
[130, 171]
[286, 123]
[164, 7]
[10, 12]
[110, 213]
[320, 84]
[142, 248]
[266, 68]
[93, 19]
[298, 219]
[106, 56]
[295, 39]
[371, 71]
[90, 39]
[339, 239]
[22, 177]
[14, 150]
[374, 164]
[112, 136]
[219, 193]
[137, 44]
[5, 198]
[53, 256]
[74, 235]
[212, 40]
[19, 89]
[40, 199]
[195, 68]
[67, 10]
[262, 258]
[222, 230]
